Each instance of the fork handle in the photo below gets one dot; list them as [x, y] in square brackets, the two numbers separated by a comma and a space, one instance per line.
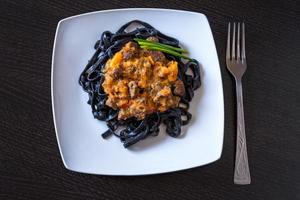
[241, 170]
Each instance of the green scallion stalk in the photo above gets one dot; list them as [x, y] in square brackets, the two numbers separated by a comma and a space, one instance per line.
[168, 51]
[143, 42]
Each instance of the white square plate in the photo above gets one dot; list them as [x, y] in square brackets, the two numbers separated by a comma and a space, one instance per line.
[79, 134]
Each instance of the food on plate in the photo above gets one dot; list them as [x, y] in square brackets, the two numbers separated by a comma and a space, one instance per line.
[137, 80]
[140, 82]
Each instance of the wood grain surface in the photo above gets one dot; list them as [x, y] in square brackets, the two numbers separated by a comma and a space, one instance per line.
[30, 164]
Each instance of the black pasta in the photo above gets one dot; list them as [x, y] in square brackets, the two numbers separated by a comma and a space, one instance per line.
[131, 130]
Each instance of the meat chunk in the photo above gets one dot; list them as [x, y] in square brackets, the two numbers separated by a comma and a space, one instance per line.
[152, 39]
[132, 45]
[117, 73]
[157, 56]
[127, 55]
[130, 51]
[155, 88]
[179, 89]
[133, 89]
[163, 93]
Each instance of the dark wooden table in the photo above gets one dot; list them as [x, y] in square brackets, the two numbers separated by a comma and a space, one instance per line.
[30, 164]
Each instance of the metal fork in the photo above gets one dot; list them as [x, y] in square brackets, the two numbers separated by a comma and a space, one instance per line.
[236, 64]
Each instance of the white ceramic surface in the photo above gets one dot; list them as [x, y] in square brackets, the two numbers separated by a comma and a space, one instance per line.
[79, 134]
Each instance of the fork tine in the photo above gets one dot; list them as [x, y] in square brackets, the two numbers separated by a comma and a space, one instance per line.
[238, 42]
[243, 42]
[228, 43]
[233, 43]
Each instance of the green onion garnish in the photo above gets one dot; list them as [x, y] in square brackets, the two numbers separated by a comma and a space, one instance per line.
[150, 43]
[175, 51]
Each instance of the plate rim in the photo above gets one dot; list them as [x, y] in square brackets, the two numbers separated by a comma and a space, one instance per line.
[52, 89]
